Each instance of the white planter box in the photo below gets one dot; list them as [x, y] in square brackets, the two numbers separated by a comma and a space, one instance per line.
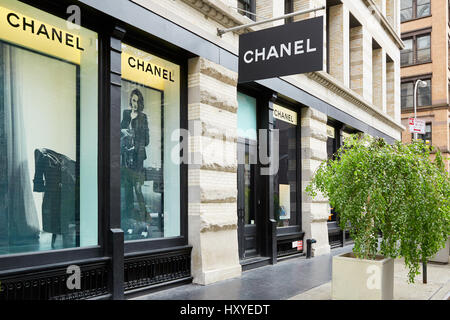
[443, 254]
[359, 279]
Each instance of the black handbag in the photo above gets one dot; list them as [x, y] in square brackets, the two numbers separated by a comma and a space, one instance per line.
[127, 149]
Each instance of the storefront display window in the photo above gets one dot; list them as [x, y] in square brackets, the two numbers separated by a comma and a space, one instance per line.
[285, 181]
[48, 132]
[247, 151]
[150, 113]
[332, 147]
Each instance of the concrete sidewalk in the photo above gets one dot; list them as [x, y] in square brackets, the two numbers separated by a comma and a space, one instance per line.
[273, 282]
[437, 288]
[302, 279]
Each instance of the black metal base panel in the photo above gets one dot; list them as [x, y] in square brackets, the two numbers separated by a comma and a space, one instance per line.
[50, 283]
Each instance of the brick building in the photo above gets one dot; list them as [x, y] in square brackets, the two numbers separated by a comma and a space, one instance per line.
[425, 32]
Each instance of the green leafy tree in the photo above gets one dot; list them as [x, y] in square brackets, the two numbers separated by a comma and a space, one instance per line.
[395, 191]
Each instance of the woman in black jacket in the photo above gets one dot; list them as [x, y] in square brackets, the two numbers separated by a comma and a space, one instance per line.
[134, 139]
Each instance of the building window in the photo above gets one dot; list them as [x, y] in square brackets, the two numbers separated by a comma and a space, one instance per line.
[48, 132]
[424, 137]
[423, 95]
[423, 48]
[414, 9]
[285, 181]
[407, 53]
[332, 141]
[417, 50]
[332, 147]
[288, 8]
[247, 8]
[150, 113]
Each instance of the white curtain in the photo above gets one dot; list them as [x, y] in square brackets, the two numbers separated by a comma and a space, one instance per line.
[20, 208]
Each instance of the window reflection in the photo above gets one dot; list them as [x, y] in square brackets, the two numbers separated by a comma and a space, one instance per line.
[150, 180]
[48, 135]
[285, 181]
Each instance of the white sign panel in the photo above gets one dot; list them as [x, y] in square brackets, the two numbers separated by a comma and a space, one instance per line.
[416, 126]
[284, 114]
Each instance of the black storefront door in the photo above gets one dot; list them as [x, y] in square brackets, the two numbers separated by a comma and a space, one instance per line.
[246, 204]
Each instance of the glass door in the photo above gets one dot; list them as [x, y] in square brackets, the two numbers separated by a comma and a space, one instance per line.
[247, 229]
[248, 239]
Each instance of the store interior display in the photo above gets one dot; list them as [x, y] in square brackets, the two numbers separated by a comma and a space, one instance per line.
[55, 176]
[142, 181]
[285, 181]
[32, 220]
[150, 137]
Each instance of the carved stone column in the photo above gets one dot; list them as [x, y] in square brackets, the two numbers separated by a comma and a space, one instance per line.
[212, 114]
[314, 151]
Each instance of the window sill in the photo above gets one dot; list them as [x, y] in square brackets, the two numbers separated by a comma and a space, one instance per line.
[416, 64]
[424, 108]
[411, 109]
[415, 19]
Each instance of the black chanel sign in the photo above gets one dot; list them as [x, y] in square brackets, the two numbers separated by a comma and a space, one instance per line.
[292, 48]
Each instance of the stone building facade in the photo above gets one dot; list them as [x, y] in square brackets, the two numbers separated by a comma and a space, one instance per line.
[213, 217]
[360, 79]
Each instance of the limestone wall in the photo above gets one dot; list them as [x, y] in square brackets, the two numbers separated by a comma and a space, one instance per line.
[212, 215]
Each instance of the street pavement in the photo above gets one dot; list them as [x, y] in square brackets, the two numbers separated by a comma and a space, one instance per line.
[436, 288]
[272, 282]
[304, 279]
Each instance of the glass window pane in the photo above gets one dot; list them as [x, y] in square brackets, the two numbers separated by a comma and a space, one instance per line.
[408, 44]
[247, 6]
[423, 55]
[150, 113]
[427, 136]
[247, 154]
[423, 11]
[424, 95]
[407, 102]
[246, 116]
[406, 4]
[406, 58]
[407, 88]
[406, 10]
[407, 53]
[424, 42]
[423, 48]
[407, 95]
[48, 132]
[285, 181]
[406, 14]
[331, 141]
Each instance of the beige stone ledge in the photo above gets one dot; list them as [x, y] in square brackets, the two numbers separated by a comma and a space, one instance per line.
[314, 154]
[219, 12]
[314, 114]
[218, 167]
[331, 83]
[218, 195]
[215, 100]
[217, 221]
[218, 72]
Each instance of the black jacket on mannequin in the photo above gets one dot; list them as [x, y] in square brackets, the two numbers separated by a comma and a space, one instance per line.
[55, 176]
